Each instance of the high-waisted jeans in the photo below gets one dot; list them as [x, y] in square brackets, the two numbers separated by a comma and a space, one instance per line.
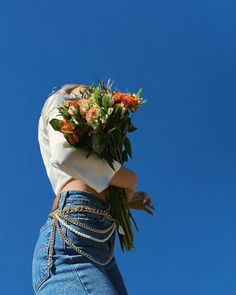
[71, 272]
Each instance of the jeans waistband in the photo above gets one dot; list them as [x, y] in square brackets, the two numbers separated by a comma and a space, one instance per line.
[83, 198]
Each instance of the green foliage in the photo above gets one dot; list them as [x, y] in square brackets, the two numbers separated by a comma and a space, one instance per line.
[127, 145]
[144, 101]
[131, 127]
[96, 94]
[124, 155]
[80, 119]
[55, 124]
[105, 101]
[126, 127]
[97, 143]
[64, 112]
[139, 93]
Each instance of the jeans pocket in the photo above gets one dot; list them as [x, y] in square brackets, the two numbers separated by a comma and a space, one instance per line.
[40, 270]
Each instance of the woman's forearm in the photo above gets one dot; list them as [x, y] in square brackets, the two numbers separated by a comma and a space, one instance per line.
[124, 178]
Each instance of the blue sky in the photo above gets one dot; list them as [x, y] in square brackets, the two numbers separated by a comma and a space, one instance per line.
[182, 53]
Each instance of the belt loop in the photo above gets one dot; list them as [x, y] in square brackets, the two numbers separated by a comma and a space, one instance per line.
[59, 201]
[62, 200]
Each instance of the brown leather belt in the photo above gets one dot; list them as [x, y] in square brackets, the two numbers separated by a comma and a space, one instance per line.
[56, 202]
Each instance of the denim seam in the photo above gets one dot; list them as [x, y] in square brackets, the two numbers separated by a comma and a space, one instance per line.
[71, 262]
[45, 226]
[39, 284]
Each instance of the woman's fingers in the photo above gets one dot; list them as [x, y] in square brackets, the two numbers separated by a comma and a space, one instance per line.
[141, 201]
[148, 211]
[147, 202]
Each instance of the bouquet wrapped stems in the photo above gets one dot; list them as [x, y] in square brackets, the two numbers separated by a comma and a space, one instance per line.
[121, 211]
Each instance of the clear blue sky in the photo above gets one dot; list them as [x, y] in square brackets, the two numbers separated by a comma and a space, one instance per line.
[182, 53]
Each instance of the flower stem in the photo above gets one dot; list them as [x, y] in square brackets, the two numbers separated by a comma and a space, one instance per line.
[121, 208]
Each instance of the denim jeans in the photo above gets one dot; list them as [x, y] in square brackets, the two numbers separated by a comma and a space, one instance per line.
[71, 272]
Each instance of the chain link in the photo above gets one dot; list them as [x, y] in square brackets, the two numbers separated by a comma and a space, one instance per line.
[77, 222]
[82, 234]
[83, 209]
[60, 216]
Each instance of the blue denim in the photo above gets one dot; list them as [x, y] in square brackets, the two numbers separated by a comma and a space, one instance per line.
[71, 272]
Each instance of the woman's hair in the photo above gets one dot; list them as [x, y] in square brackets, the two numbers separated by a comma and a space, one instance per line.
[67, 88]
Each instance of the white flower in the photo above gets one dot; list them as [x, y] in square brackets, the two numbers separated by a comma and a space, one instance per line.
[111, 102]
[109, 111]
[72, 110]
[76, 122]
[104, 119]
[92, 101]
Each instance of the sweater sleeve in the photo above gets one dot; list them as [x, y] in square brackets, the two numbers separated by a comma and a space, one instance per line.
[93, 171]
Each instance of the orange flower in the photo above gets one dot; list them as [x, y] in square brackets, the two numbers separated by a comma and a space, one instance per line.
[73, 138]
[66, 126]
[127, 100]
[69, 103]
[91, 114]
[81, 104]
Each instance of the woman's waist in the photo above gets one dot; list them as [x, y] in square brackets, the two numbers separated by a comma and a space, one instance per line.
[76, 184]
[82, 201]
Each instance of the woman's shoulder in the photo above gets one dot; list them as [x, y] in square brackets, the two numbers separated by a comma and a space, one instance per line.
[52, 102]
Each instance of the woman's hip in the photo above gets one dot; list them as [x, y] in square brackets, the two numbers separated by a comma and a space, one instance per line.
[77, 237]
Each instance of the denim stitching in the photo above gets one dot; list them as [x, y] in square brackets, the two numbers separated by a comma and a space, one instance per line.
[71, 262]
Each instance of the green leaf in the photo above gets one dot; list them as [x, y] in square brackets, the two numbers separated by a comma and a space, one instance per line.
[97, 144]
[135, 224]
[65, 113]
[125, 126]
[55, 124]
[111, 130]
[127, 145]
[124, 155]
[105, 101]
[131, 127]
[110, 162]
[144, 101]
[139, 93]
[96, 94]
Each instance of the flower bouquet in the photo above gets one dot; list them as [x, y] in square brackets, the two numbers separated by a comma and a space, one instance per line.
[98, 120]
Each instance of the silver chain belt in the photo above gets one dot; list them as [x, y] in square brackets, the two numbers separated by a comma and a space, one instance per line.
[61, 216]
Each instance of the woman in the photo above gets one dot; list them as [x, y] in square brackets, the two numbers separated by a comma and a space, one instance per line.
[74, 249]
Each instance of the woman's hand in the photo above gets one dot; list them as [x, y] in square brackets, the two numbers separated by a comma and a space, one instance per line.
[141, 201]
[128, 180]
